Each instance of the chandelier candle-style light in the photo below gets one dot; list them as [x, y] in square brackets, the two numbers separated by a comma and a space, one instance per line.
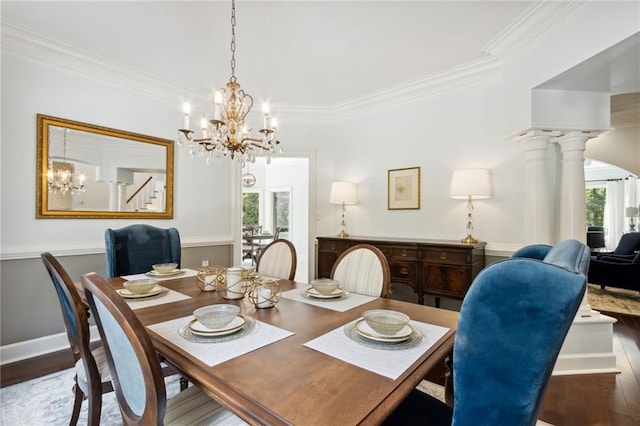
[228, 133]
[60, 176]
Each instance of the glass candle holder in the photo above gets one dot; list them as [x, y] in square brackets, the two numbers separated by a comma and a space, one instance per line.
[264, 293]
[209, 278]
[234, 287]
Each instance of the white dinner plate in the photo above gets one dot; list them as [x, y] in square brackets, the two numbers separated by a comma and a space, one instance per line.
[363, 329]
[200, 329]
[128, 295]
[312, 292]
[154, 273]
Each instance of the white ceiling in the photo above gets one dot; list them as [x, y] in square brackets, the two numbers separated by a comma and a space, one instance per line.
[300, 53]
[317, 53]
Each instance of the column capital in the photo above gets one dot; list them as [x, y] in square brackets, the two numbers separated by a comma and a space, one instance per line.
[527, 134]
[578, 135]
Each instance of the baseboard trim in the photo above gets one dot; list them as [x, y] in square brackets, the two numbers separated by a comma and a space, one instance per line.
[37, 347]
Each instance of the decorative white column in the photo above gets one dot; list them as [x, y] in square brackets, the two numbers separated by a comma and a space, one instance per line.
[573, 205]
[122, 197]
[113, 196]
[537, 212]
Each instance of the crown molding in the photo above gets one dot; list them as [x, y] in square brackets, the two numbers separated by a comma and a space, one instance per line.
[516, 38]
[482, 72]
[478, 73]
[20, 42]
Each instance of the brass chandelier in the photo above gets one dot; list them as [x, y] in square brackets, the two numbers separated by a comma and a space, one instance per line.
[60, 176]
[228, 134]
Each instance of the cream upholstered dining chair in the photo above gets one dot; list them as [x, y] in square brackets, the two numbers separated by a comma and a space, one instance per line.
[92, 373]
[278, 260]
[363, 269]
[135, 367]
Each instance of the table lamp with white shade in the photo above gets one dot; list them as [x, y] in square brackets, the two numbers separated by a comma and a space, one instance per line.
[631, 212]
[470, 184]
[343, 193]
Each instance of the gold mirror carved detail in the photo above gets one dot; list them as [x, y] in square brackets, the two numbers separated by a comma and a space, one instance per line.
[89, 171]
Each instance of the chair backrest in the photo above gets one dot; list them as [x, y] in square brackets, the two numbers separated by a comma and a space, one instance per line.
[363, 269]
[76, 320]
[135, 248]
[512, 324]
[596, 237]
[278, 260]
[629, 244]
[133, 362]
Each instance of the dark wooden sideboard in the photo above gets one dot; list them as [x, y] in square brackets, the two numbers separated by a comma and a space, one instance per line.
[436, 267]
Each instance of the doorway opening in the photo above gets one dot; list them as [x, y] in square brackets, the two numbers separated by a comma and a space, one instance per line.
[277, 206]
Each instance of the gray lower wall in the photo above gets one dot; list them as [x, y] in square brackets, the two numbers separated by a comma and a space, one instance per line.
[29, 307]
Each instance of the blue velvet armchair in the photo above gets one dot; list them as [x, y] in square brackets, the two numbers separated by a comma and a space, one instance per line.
[135, 248]
[512, 325]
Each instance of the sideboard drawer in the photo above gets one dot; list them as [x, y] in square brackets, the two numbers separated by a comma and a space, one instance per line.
[408, 253]
[447, 256]
[334, 246]
[403, 271]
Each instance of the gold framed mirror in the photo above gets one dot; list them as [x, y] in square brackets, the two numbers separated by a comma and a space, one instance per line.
[89, 171]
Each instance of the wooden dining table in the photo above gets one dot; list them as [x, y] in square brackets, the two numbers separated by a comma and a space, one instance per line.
[285, 382]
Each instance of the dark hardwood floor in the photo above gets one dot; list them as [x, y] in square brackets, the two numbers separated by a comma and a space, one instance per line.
[601, 399]
[580, 400]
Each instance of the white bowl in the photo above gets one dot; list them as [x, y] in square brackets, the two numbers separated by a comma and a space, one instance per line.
[325, 285]
[141, 286]
[216, 316]
[385, 322]
[165, 268]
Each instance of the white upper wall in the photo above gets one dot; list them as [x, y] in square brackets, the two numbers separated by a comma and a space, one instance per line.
[443, 132]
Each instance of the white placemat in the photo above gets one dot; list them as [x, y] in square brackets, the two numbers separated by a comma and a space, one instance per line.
[341, 304]
[388, 363]
[216, 353]
[186, 273]
[168, 297]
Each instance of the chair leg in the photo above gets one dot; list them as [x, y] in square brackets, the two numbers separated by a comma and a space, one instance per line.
[77, 404]
[95, 409]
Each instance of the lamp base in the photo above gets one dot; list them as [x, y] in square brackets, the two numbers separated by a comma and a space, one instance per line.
[469, 240]
[343, 234]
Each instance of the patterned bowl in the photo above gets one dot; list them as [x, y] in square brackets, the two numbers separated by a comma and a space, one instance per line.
[216, 316]
[141, 286]
[165, 268]
[325, 285]
[385, 322]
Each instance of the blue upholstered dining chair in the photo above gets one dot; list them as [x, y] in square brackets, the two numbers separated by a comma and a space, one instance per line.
[92, 373]
[512, 324]
[135, 248]
[135, 367]
[363, 269]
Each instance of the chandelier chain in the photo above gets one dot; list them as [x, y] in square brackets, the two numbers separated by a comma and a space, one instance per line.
[233, 41]
[228, 133]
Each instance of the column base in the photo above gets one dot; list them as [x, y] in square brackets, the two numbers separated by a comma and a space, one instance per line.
[588, 347]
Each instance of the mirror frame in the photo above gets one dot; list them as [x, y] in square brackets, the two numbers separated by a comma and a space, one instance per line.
[42, 160]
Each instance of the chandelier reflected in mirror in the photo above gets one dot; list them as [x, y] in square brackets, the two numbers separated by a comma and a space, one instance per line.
[228, 133]
[60, 175]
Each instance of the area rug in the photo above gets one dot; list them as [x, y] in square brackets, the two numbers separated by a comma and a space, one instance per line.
[614, 299]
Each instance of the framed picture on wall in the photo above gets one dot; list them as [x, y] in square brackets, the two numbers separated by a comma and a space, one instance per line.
[403, 189]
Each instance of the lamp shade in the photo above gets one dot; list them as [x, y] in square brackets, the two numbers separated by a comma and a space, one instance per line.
[470, 182]
[343, 192]
[631, 211]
